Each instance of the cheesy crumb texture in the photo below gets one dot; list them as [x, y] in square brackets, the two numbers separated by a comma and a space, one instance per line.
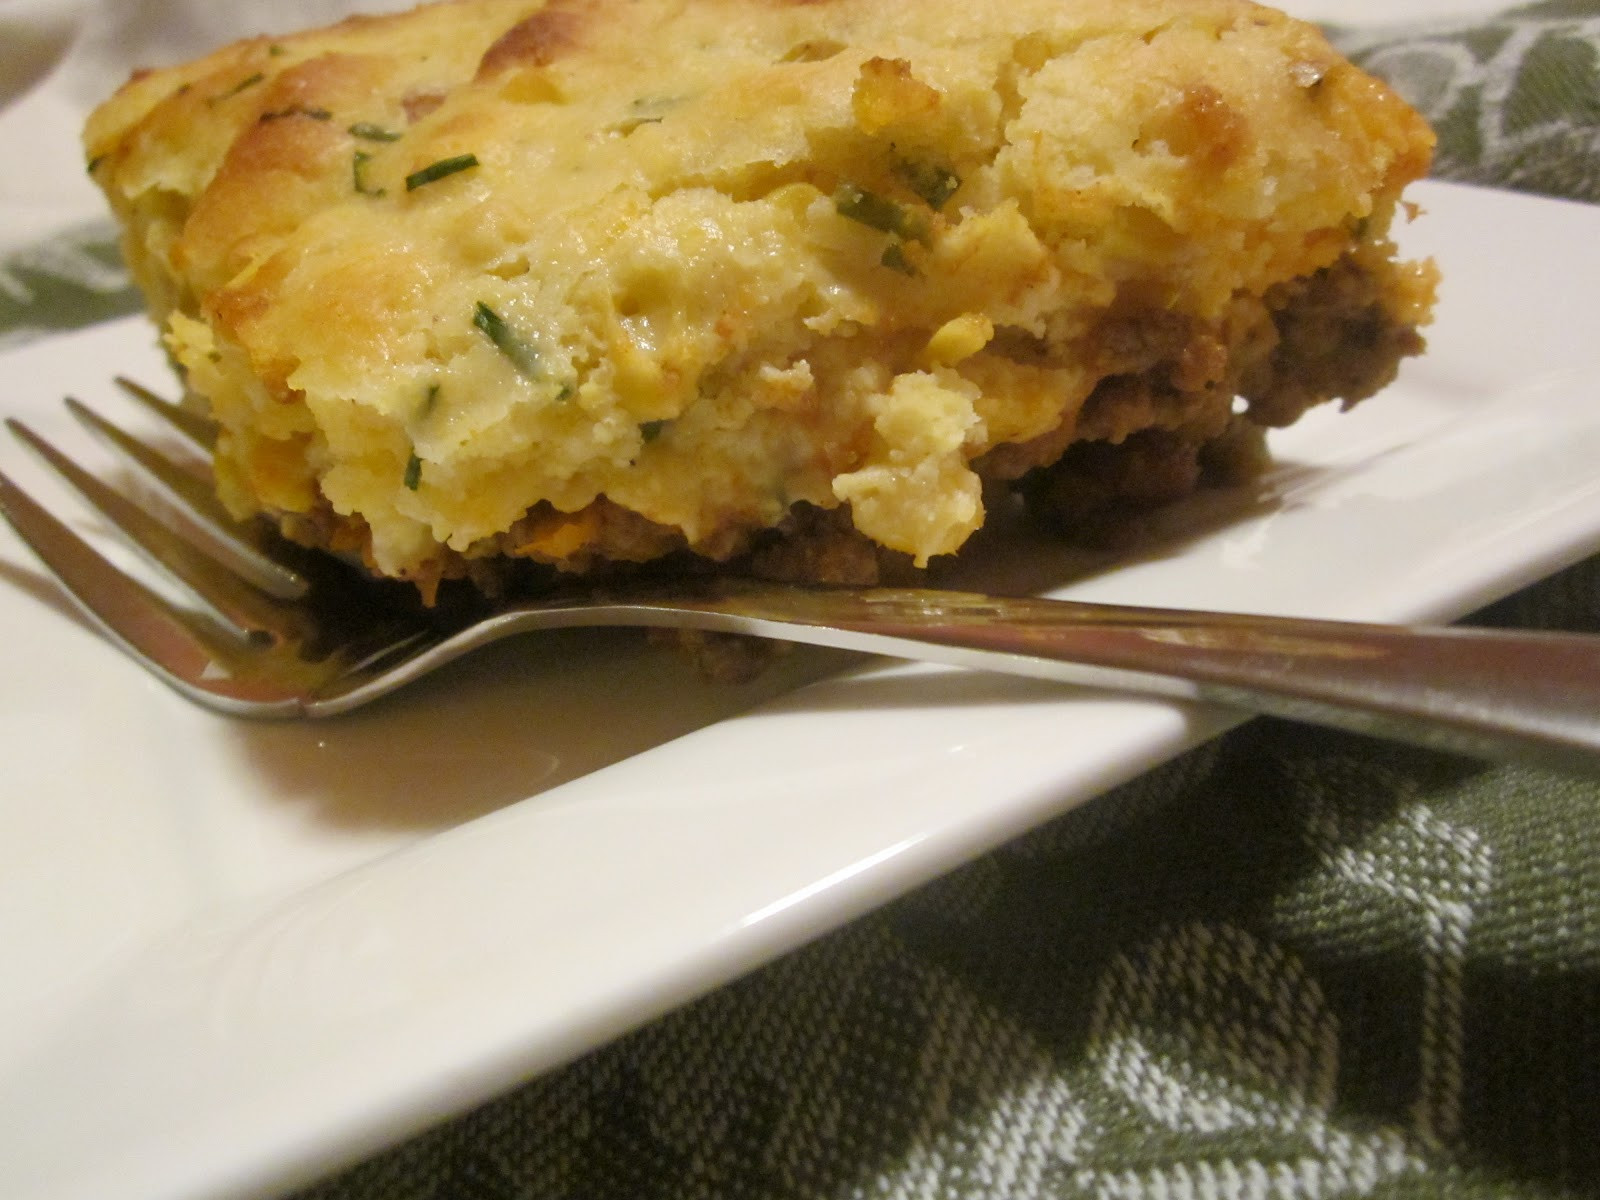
[598, 281]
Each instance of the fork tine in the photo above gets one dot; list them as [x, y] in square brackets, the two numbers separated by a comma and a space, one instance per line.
[223, 536]
[187, 480]
[159, 636]
[230, 596]
[200, 431]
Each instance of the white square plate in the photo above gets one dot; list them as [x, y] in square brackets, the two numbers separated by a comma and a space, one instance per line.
[236, 955]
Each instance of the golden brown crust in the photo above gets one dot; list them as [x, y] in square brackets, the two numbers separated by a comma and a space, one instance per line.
[540, 38]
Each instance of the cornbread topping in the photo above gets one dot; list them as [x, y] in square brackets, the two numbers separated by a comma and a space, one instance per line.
[788, 283]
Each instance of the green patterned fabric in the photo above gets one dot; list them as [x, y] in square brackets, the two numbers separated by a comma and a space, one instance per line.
[72, 281]
[1290, 964]
[1515, 99]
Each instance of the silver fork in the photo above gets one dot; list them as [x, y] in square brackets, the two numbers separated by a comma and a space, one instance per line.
[281, 632]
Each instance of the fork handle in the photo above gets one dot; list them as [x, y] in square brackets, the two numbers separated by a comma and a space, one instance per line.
[1489, 693]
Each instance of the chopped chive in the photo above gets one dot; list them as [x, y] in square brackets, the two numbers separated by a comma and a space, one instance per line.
[430, 401]
[493, 326]
[244, 84]
[438, 170]
[868, 208]
[651, 430]
[817, 50]
[632, 123]
[94, 162]
[276, 51]
[358, 174]
[413, 479]
[368, 132]
[932, 184]
[894, 257]
[316, 114]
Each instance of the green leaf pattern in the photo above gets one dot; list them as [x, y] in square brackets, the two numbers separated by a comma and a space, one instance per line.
[69, 282]
[1515, 98]
[1321, 1021]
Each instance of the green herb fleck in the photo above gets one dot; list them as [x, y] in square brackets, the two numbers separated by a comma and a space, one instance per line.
[430, 401]
[894, 257]
[413, 479]
[315, 114]
[521, 353]
[440, 169]
[646, 110]
[632, 123]
[358, 174]
[931, 183]
[94, 162]
[276, 51]
[655, 106]
[368, 132]
[651, 430]
[870, 209]
[817, 50]
[244, 84]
